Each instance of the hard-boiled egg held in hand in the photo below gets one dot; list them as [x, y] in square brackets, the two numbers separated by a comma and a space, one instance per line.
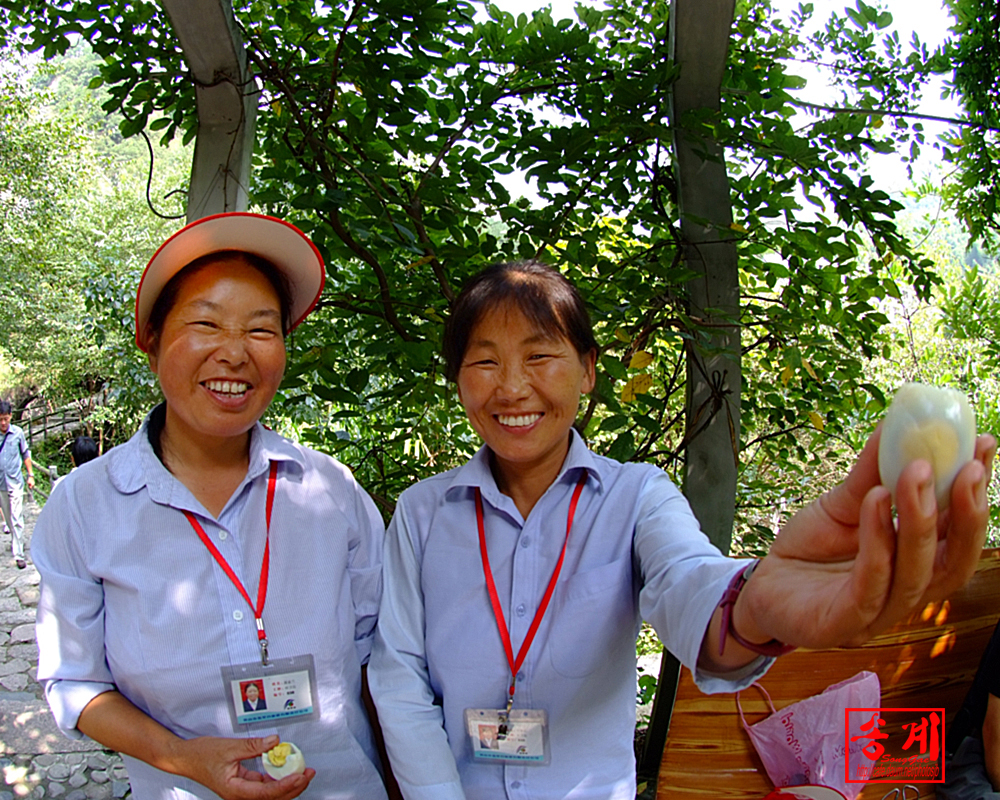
[934, 424]
[282, 760]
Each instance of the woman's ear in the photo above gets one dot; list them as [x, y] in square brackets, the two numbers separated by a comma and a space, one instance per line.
[151, 344]
[589, 362]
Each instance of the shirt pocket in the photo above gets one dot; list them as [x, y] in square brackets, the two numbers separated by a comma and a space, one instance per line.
[594, 619]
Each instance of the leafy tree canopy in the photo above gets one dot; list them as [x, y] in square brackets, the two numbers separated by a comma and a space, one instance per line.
[40, 161]
[74, 230]
[387, 131]
[975, 149]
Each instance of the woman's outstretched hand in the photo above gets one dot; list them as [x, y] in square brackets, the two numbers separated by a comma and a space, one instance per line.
[843, 569]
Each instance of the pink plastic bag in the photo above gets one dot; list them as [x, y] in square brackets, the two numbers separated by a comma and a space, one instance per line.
[805, 742]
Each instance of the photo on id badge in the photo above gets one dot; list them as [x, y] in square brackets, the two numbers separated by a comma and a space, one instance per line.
[520, 736]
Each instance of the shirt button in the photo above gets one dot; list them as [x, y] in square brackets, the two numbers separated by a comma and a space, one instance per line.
[516, 785]
[520, 610]
[237, 615]
[520, 677]
[222, 536]
[525, 541]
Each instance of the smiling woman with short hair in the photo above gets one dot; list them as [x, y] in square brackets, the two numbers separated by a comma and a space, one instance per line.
[516, 583]
[208, 554]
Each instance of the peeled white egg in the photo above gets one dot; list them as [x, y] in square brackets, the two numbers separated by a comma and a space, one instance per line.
[931, 423]
[282, 760]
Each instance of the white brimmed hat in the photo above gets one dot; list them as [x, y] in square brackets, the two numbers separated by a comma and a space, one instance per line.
[284, 245]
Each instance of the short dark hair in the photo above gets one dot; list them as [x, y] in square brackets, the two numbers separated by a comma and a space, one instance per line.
[83, 449]
[167, 298]
[538, 291]
[5, 407]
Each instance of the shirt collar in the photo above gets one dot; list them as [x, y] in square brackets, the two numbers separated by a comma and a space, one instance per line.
[476, 473]
[134, 465]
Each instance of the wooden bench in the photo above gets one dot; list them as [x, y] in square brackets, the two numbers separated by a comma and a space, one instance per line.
[927, 661]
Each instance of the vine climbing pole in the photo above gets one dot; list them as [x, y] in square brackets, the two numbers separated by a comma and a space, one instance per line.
[700, 31]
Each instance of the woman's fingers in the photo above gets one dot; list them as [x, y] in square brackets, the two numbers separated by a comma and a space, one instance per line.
[255, 786]
[843, 502]
[925, 568]
[912, 566]
[285, 789]
[986, 453]
[871, 575]
[968, 516]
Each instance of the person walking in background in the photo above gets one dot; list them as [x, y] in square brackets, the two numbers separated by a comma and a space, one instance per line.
[14, 451]
[82, 450]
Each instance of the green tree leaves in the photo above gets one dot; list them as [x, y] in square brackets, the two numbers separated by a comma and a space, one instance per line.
[387, 131]
[974, 150]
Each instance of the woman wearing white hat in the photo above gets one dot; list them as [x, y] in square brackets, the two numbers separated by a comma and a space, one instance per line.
[208, 552]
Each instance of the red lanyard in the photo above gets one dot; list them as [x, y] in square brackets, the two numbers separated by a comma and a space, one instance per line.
[543, 606]
[258, 610]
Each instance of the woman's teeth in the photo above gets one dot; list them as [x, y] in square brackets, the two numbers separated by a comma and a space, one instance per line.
[519, 421]
[227, 387]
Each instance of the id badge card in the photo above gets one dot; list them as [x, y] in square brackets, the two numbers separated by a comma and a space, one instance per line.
[284, 691]
[497, 736]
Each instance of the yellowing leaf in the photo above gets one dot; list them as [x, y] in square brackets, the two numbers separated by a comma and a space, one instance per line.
[877, 123]
[810, 370]
[816, 420]
[640, 360]
[622, 335]
[735, 226]
[276, 108]
[419, 262]
[786, 375]
[640, 384]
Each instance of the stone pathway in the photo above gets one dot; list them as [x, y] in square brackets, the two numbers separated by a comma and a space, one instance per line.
[37, 761]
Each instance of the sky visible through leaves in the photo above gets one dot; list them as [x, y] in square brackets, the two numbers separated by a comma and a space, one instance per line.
[927, 18]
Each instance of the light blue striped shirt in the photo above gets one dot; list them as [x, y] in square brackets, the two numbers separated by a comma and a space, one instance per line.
[635, 551]
[15, 450]
[132, 599]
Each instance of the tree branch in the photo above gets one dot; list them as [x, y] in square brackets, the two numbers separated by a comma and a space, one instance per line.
[413, 211]
[388, 311]
[873, 112]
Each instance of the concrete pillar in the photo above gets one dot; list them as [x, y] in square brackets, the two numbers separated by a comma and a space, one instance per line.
[227, 105]
[700, 33]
